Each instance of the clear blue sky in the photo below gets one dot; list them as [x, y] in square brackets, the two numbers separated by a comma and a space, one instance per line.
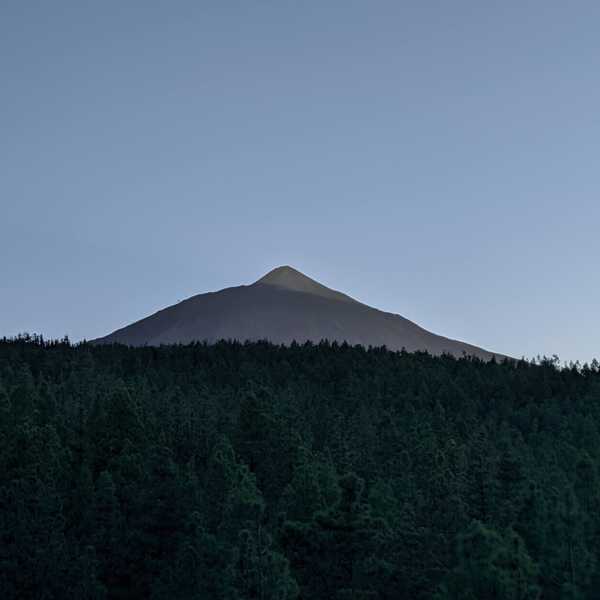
[438, 159]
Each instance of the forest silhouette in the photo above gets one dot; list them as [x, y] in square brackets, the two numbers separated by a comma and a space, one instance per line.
[256, 471]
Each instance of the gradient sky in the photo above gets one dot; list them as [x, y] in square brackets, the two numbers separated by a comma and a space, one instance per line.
[436, 159]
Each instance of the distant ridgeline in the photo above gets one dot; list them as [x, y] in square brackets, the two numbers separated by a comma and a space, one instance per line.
[282, 307]
[253, 471]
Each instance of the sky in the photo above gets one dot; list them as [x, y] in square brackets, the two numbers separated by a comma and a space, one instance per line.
[435, 159]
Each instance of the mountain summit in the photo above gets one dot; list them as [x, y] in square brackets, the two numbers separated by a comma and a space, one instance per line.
[290, 279]
[284, 306]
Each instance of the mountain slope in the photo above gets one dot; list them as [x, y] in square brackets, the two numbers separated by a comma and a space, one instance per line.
[283, 306]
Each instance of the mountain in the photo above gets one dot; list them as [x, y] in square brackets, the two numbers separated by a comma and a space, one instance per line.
[283, 306]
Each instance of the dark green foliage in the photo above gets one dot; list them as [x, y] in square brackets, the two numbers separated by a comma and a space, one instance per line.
[256, 472]
[490, 565]
[332, 554]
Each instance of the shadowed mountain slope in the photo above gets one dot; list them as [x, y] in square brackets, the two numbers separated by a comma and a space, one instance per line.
[283, 306]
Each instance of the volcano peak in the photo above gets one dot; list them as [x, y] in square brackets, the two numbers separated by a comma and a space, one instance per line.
[291, 279]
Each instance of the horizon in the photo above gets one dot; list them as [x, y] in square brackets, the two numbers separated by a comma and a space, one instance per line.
[437, 162]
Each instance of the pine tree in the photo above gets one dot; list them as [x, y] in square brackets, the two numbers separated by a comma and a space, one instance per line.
[330, 555]
[490, 566]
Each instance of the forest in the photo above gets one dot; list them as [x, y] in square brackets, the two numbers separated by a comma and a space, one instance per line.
[311, 472]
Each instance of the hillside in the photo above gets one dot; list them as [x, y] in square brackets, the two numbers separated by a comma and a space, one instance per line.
[252, 471]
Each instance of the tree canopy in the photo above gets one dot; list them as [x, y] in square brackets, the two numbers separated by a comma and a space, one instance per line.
[253, 471]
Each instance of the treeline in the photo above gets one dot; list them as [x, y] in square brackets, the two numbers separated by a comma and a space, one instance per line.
[317, 472]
